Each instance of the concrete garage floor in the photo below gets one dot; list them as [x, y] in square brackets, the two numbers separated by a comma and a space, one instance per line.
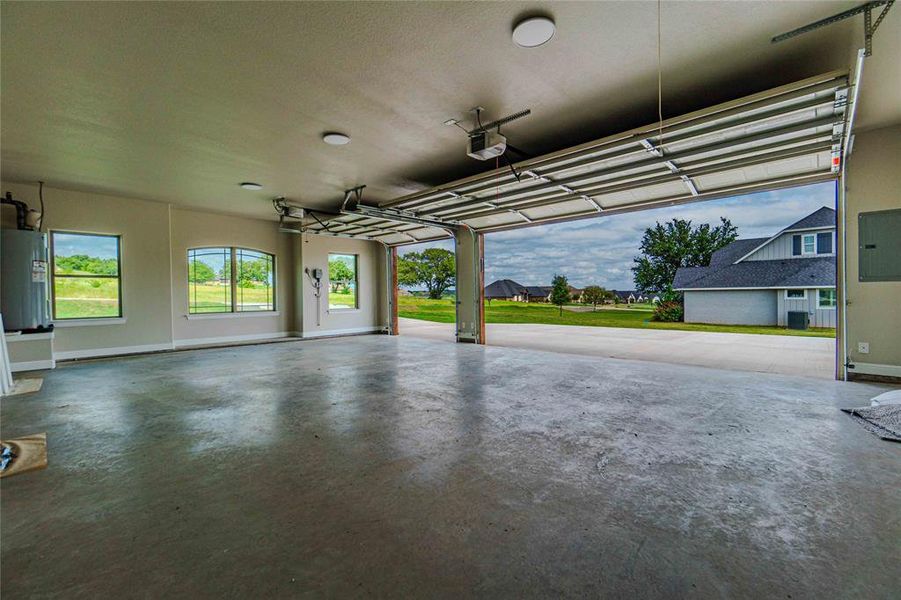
[789, 355]
[408, 467]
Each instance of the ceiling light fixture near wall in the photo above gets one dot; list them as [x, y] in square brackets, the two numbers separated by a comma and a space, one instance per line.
[333, 138]
[533, 32]
[249, 185]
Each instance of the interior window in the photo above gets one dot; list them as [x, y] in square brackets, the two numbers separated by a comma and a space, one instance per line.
[826, 298]
[796, 294]
[86, 276]
[209, 280]
[226, 279]
[342, 280]
[809, 243]
[254, 276]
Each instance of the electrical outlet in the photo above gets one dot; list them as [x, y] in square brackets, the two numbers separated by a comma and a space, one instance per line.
[863, 347]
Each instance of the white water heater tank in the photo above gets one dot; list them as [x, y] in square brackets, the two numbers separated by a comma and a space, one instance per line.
[24, 273]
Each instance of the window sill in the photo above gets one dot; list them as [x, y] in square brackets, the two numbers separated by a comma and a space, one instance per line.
[89, 322]
[343, 310]
[232, 315]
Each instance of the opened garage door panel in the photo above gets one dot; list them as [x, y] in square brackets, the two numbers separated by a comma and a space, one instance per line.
[786, 136]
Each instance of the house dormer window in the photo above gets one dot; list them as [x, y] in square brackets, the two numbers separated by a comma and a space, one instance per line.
[805, 244]
[809, 243]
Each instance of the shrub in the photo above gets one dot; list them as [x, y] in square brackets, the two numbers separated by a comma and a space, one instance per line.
[668, 312]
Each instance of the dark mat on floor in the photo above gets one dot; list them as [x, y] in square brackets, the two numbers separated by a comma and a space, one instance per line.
[884, 421]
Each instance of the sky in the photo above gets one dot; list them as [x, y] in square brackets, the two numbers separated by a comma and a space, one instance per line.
[65, 244]
[600, 251]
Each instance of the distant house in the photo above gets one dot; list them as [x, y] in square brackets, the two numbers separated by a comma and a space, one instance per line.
[507, 289]
[632, 296]
[759, 281]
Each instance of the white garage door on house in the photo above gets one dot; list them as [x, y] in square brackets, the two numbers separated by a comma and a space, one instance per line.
[733, 307]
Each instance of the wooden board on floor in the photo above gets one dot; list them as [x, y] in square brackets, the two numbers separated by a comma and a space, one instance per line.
[31, 454]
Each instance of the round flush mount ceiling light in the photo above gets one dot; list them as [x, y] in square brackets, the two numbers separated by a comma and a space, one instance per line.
[533, 32]
[249, 185]
[333, 138]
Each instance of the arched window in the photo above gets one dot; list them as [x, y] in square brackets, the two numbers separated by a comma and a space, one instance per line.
[229, 279]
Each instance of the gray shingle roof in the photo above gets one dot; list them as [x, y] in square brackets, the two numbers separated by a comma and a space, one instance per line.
[538, 290]
[797, 272]
[723, 271]
[731, 253]
[823, 217]
[503, 288]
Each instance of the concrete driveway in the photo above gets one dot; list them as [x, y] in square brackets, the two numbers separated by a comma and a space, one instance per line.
[791, 355]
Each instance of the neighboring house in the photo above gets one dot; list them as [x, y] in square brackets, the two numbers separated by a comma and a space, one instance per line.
[759, 281]
[632, 296]
[507, 289]
[504, 289]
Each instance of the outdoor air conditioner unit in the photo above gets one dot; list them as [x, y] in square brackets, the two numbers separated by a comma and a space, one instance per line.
[798, 319]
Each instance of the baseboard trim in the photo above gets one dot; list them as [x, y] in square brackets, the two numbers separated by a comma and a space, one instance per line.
[875, 369]
[228, 339]
[117, 351]
[32, 365]
[198, 343]
[341, 332]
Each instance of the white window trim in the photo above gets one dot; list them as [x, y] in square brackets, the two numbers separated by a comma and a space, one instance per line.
[804, 251]
[233, 250]
[344, 309]
[89, 322]
[232, 315]
[820, 306]
[787, 297]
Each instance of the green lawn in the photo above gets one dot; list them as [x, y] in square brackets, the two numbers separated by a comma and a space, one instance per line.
[86, 298]
[498, 311]
[96, 297]
[342, 299]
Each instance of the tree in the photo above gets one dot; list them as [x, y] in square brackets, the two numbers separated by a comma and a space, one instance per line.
[435, 268]
[339, 273]
[560, 291]
[252, 272]
[666, 247]
[82, 264]
[200, 272]
[595, 295]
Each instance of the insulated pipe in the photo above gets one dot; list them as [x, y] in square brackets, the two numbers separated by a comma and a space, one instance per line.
[21, 210]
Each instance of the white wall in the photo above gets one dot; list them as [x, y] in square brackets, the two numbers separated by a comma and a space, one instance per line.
[146, 295]
[155, 238]
[874, 308]
[781, 247]
[371, 314]
[195, 229]
[732, 307]
[819, 317]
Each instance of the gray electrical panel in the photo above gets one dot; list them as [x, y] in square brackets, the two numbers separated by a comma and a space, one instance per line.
[879, 245]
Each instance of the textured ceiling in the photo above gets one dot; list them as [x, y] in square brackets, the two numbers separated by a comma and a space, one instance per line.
[179, 102]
